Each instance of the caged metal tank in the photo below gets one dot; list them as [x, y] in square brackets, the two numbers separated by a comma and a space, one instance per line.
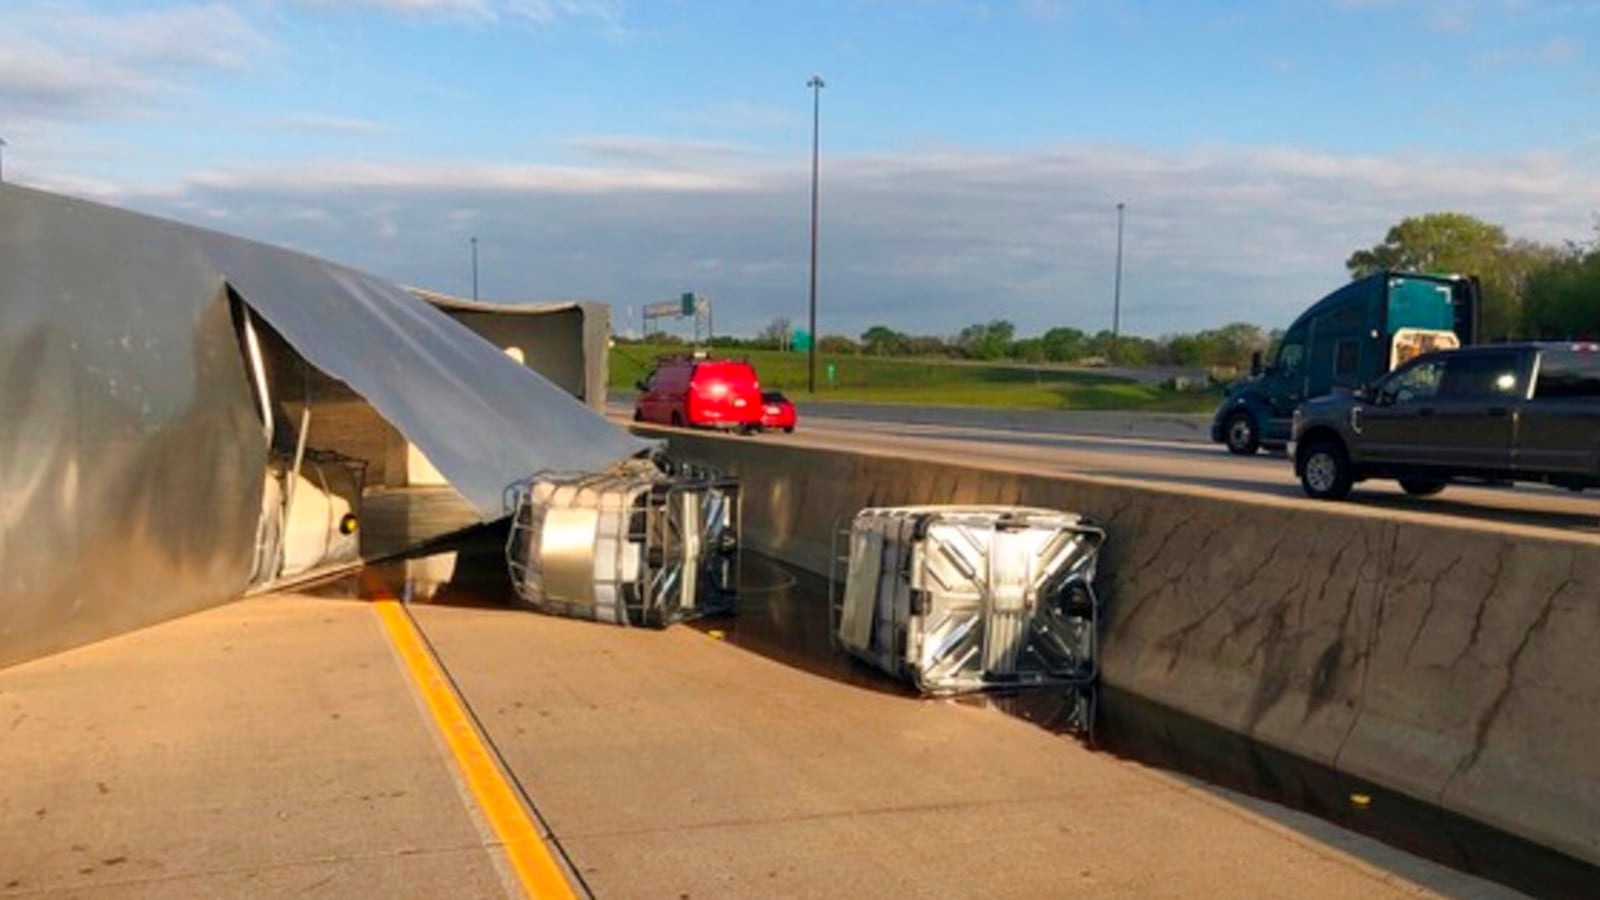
[965, 598]
[645, 543]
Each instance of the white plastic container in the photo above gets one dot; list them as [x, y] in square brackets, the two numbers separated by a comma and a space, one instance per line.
[958, 598]
[632, 546]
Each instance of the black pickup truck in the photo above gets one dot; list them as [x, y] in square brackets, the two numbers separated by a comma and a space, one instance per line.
[1497, 413]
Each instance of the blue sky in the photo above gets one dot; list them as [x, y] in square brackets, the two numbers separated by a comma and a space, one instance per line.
[973, 152]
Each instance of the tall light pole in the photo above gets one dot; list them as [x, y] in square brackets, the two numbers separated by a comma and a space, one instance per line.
[474, 268]
[1116, 295]
[816, 86]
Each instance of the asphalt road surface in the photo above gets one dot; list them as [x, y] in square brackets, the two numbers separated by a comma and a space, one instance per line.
[1190, 465]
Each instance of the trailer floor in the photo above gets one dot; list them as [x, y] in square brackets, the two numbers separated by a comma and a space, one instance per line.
[394, 520]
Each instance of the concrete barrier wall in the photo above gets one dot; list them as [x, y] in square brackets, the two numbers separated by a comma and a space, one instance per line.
[1458, 665]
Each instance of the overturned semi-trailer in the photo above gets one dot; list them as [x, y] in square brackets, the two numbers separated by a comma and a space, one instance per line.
[159, 434]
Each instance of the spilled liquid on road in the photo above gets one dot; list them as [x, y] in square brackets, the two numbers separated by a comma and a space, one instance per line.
[782, 614]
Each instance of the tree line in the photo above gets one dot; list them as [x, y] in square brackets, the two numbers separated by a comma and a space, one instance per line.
[1225, 348]
[1529, 290]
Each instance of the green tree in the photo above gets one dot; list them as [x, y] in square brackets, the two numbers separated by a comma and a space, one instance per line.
[881, 340]
[991, 340]
[928, 345]
[1184, 350]
[1064, 344]
[1456, 243]
[1135, 351]
[1563, 298]
[1437, 243]
[1231, 345]
[1100, 344]
[1029, 350]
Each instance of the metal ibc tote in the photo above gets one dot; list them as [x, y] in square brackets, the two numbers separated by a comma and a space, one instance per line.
[637, 545]
[956, 598]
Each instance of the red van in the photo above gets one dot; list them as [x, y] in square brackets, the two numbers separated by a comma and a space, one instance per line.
[702, 393]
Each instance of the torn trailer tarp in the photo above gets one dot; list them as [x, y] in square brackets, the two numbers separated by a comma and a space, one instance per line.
[131, 450]
[483, 420]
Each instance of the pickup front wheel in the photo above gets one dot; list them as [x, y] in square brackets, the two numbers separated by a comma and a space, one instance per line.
[1325, 471]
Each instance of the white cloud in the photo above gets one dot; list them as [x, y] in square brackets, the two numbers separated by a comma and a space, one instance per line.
[468, 10]
[545, 12]
[737, 115]
[1554, 52]
[1045, 11]
[317, 122]
[65, 62]
[606, 14]
[636, 150]
[209, 36]
[926, 243]
[466, 178]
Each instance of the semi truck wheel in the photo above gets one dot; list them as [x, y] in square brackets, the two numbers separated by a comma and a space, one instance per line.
[1241, 434]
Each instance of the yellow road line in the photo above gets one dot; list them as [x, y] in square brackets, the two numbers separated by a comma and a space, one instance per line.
[541, 877]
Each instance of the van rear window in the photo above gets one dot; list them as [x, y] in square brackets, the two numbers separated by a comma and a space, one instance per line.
[733, 373]
[1568, 374]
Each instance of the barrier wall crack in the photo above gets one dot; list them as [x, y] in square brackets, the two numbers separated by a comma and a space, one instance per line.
[1492, 713]
[1483, 606]
[1427, 611]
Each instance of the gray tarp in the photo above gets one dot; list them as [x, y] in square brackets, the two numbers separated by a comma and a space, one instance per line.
[130, 458]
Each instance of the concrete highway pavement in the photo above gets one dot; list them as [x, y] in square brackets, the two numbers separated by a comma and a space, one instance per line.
[276, 746]
[265, 748]
[1179, 463]
[1186, 427]
[1186, 465]
[1189, 427]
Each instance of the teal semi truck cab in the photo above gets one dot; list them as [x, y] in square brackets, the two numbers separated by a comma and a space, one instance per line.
[1346, 340]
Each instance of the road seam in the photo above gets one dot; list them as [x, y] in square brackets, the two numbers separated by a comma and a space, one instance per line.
[536, 868]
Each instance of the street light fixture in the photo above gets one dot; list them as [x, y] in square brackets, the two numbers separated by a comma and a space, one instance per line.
[1116, 296]
[816, 86]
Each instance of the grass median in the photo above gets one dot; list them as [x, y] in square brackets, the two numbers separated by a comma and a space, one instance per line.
[934, 382]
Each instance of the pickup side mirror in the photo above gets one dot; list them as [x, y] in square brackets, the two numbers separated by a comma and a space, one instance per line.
[1255, 364]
